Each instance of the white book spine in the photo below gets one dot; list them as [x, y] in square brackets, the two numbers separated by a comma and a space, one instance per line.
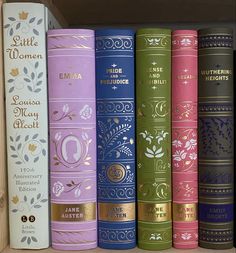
[24, 30]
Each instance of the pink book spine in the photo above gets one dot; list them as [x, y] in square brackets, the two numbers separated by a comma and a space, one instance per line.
[72, 117]
[184, 138]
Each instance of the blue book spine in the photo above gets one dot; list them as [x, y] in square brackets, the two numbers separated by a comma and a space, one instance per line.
[115, 138]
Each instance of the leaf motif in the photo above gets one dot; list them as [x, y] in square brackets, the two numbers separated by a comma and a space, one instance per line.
[18, 162]
[14, 210]
[11, 32]
[42, 140]
[36, 159]
[11, 89]
[103, 127]
[39, 21]
[37, 90]
[39, 83]
[14, 156]
[159, 155]
[32, 20]
[149, 155]
[86, 163]
[69, 185]
[29, 88]
[32, 201]
[44, 152]
[18, 26]
[36, 65]
[18, 138]
[26, 158]
[40, 74]
[6, 26]
[38, 196]
[32, 75]
[12, 19]
[23, 239]
[35, 136]
[88, 187]
[19, 146]
[27, 80]
[12, 148]
[37, 206]
[26, 137]
[10, 80]
[34, 239]
[25, 198]
[29, 240]
[43, 200]
[11, 138]
[35, 32]
[150, 151]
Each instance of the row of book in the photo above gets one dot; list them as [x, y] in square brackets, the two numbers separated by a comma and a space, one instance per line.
[161, 122]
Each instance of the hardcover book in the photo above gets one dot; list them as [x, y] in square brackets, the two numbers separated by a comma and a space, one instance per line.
[24, 32]
[153, 87]
[216, 138]
[184, 138]
[116, 138]
[3, 166]
[72, 118]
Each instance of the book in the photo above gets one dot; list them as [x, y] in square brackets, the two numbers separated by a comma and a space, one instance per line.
[153, 134]
[185, 138]
[72, 119]
[25, 26]
[116, 138]
[216, 138]
[3, 166]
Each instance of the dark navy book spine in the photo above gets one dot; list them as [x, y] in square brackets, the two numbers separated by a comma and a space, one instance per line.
[115, 138]
[216, 138]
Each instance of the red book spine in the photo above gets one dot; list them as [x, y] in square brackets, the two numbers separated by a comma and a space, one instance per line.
[184, 138]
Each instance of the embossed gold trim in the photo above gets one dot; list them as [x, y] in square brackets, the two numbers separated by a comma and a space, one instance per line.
[184, 212]
[116, 212]
[73, 212]
[154, 212]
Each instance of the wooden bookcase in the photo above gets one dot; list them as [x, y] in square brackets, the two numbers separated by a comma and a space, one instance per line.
[122, 13]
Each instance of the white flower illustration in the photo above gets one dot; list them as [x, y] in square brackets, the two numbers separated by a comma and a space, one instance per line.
[58, 188]
[175, 236]
[185, 42]
[157, 153]
[155, 237]
[161, 136]
[147, 136]
[86, 112]
[191, 144]
[179, 155]
[177, 143]
[186, 236]
[193, 156]
[58, 136]
[65, 108]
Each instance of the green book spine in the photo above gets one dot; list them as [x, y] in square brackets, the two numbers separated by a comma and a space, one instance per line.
[153, 77]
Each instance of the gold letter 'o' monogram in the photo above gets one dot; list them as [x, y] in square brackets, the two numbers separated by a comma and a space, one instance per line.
[116, 173]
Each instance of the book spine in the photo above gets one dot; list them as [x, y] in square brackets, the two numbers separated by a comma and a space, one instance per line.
[72, 120]
[116, 138]
[153, 86]
[27, 124]
[216, 138]
[3, 167]
[184, 138]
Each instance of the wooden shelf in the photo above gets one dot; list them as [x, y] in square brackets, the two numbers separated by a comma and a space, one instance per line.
[136, 250]
[107, 12]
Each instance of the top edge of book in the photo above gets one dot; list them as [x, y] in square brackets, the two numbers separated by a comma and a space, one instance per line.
[153, 31]
[214, 31]
[64, 32]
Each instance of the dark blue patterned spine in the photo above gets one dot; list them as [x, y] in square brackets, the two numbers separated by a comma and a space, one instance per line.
[115, 138]
[216, 139]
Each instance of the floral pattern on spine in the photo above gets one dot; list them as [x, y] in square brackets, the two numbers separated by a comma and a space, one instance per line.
[184, 149]
[28, 76]
[24, 23]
